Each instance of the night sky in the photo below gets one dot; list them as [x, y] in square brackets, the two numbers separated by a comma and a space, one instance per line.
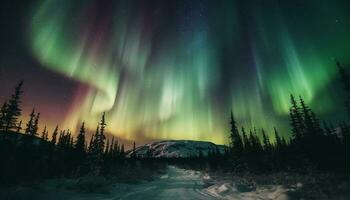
[174, 69]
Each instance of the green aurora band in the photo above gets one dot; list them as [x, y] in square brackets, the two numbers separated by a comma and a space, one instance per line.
[161, 75]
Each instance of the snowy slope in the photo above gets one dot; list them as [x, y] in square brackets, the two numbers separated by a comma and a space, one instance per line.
[176, 148]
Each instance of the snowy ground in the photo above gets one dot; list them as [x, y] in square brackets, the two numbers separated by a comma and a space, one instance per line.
[227, 190]
[176, 184]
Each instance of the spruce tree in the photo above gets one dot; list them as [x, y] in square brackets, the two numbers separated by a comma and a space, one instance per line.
[3, 112]
[255, 141]
[54, 135]
[311, 136]
[44, 134]
[278, 139]
[296, 120]
[79, 146]
[13, 109]
[266, 141]
[30, 124]
[35, 125]
[80, 142]
[102, 137]
[346, 85]
[97, 148]
[235, 138]
[245, 140]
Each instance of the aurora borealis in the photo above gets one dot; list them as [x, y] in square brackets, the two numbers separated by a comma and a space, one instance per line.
[174, 69]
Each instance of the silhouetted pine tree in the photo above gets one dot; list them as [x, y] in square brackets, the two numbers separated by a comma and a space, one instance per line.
[310, 130]
[44, 134]
[64, 154]
[97, 148]
[79, 149]
[296, 120]
[80, 142]
[235, 139]
[278, 139]
[255, 141]
[13, 110]
[36, 125]
[346, 85]
[245, 140]
[3, 111]
[54, 135]
[266, 141]
[101, 136]
[95, 154]
[102, 130]
[30, 124]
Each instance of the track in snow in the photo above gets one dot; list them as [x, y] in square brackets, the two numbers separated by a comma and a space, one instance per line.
[177, 184]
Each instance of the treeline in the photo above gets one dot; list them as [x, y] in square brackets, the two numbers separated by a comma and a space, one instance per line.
[311, 145]
[32, 155]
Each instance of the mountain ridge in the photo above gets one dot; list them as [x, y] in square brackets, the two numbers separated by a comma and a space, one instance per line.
[176, 149]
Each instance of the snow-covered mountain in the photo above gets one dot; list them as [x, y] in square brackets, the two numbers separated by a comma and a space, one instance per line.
[176, 148]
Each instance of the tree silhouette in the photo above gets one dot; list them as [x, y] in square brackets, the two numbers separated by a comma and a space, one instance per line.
[13, 110]
[97, 147]
[44, 134]
[296, 120]
[36, 125]
[80, 142]
[101, 135]
[54, 135]
[3, 112]
[30, 124]
[79, 147]
[346, 85]
[266, 141]
[235, 138]
[310, 130]
[277, 138]
[245, 140]
[62, 157]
